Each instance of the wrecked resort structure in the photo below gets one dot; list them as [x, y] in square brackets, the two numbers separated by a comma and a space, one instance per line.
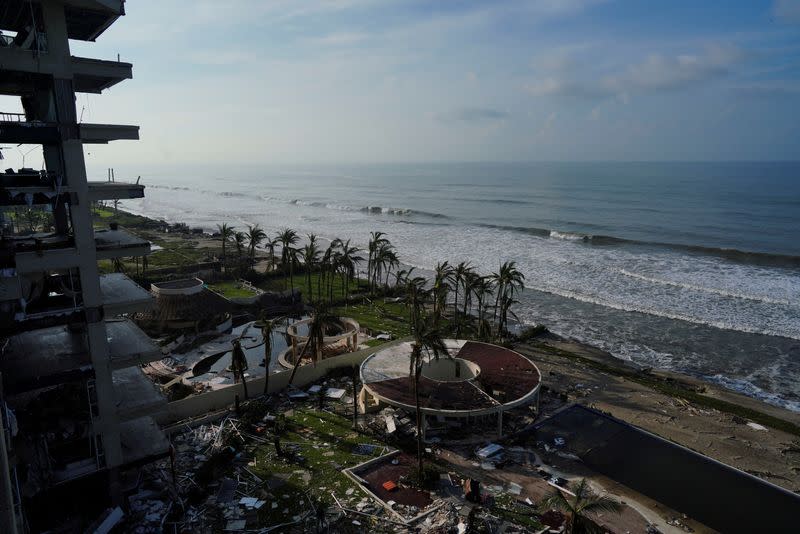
[184, 408]
[471, 388]
[75, 402]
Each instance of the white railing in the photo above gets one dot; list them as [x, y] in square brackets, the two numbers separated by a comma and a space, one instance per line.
[12, 117]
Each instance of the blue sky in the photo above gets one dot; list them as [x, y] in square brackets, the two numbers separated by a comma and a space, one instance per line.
[358, 80]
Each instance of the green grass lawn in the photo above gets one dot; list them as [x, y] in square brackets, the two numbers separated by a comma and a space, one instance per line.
[232, 289]
[379, 317]
[174, 252]
[326, 441]
[102, 216]
[300, 281]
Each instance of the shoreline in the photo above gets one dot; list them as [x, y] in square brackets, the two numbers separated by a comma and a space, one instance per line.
[675, 384]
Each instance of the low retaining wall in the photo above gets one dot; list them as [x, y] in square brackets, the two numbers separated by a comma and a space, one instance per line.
[202, 403]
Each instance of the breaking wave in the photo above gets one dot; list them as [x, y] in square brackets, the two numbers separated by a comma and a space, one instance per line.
[731, 254]
[562, 292]
[721, 292]
[372, 210]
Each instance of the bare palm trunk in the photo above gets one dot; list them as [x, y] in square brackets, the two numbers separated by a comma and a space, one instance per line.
[297, 362]
[355, 396]
[420, 466]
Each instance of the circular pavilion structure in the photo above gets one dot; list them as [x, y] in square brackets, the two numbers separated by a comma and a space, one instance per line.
[185, 305]
[474, 384]
[341, 336]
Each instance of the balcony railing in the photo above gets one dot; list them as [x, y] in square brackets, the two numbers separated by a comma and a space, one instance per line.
[12, 117]
[36, 41]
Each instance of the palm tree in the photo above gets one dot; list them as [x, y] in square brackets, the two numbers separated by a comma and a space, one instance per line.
[267, 326]
[384, 258]
[577, 509]
[403, 276]
[427, 339]
[459, 274]
[239, 239]
[441, 286]
[506, 281]
[293, 255]
[348, 259]
[239, 364]
[375, 242]
[287, 237]
[320, 320]
[255, 235]
[269, 245]
[481, 289]
[225, 234]
[325, 265]
[310, 254]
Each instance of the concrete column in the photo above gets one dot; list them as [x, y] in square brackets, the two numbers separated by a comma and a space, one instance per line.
[8, 517]
[74, 174]
[500, 424]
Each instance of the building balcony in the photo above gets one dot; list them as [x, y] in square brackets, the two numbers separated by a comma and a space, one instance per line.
[103, 133]
[49, 356]
[142, 441]
[85, 19]
[89, 75]
[136, 395]
[118, 244]
[114, 190]
[26, 187]
[123, 295]
[128, 346]
[17, 128]
[44, 357]
[58, 252]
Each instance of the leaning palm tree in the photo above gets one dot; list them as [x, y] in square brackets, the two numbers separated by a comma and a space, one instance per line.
[441, 286]
[481, 290]
[506, 281]
[267, 326]
[225, 234]
[320, 320]
[310, 254]
[428, 340]
[239, 364]
[348, 260]
[255, 235]
[325, 266]
[239, 240]
[376, 240]
[287, 237]
[459, 275]
[269, 245]
[580, 507]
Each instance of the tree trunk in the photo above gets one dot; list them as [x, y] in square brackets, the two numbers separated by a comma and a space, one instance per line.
[420, 467]
[267, 361]
[355, 396]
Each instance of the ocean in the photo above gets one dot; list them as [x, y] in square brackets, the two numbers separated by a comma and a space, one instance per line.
[692, 267]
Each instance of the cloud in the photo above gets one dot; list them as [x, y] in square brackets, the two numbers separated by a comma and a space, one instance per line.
[474, 115]
[340, 38]
[787, 11]
[655, 73]
[768, 92]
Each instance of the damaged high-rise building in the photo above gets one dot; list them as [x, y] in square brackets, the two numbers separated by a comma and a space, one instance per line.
[75, 404]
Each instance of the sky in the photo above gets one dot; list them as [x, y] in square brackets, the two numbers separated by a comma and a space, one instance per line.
[311, 81]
